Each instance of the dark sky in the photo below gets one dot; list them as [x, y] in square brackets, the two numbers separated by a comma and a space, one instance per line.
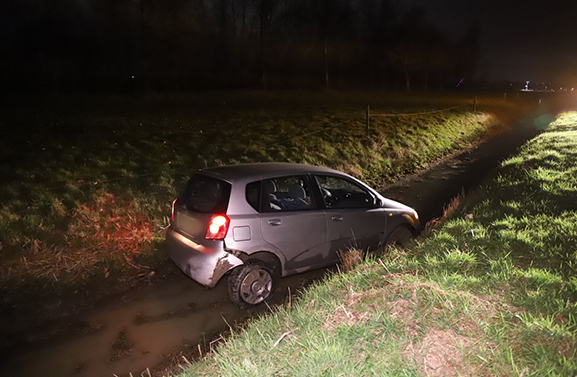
[520, 40]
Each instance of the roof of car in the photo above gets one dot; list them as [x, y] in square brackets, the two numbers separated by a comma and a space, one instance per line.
[264, 169]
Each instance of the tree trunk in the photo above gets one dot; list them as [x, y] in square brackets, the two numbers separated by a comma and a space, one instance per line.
[55, 76]
[326, 53]
[262, 64]
[263, 26]
[407, 77]
[142, 56]
[176, 87]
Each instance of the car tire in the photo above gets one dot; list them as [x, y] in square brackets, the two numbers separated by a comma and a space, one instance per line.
[250, 284]
[400, 237]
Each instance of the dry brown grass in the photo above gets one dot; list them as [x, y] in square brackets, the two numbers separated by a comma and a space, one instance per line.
[448, 210]
[345, 316]
[107, 229]
[435, 349]
[113, 225]
[351, 258]
[441, 353]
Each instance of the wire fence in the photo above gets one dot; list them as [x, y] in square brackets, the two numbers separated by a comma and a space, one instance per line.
[369, 115]
[94, 182]
[418, 113]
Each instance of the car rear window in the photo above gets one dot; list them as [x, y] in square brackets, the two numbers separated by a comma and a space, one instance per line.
[206, 194]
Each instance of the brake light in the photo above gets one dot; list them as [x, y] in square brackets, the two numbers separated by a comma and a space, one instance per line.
[173, 204]
[217, 227]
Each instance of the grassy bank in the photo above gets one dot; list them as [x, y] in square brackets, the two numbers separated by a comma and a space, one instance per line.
[86, 183]
[490, 292]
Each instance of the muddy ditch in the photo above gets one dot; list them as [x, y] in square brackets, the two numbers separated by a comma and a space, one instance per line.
[167, 319]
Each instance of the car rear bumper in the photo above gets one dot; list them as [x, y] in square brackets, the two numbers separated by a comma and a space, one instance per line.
[205, 263]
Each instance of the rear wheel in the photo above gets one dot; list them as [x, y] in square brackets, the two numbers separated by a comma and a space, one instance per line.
[400, 237]
[250, 283]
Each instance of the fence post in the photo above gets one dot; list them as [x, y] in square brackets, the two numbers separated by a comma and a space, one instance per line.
[368, 119]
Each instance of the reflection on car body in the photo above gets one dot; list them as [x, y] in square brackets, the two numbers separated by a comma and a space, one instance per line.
[257, 221]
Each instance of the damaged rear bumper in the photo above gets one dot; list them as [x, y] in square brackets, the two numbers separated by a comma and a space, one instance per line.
[205, 263]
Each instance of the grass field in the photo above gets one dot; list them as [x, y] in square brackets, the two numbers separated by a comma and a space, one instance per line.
[492, 291]
[86, 183]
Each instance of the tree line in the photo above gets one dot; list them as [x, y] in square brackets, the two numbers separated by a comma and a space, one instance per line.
[176, 45]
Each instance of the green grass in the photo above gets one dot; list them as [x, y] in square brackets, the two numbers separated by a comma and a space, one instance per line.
[88, 181]
[492, 291]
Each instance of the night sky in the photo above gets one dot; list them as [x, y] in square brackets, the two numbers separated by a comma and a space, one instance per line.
[520, 40]
[95, 44]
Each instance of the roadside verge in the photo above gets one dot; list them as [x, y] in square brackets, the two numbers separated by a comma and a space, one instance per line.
[491, 291]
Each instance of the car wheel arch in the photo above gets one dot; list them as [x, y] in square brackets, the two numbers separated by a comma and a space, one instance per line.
[400, 235]
[271, 260]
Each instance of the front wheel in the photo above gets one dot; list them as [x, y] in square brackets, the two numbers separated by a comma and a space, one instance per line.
[400, 237]
[250, 284]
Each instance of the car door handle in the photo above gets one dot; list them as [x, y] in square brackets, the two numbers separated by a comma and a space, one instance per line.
[337, 218]
[274, 222]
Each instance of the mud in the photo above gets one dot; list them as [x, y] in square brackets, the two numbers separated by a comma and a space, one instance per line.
[168, 322]
[170, 319]
[429, 191]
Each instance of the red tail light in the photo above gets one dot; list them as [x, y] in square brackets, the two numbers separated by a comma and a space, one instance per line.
[217, 227]
[173, 204]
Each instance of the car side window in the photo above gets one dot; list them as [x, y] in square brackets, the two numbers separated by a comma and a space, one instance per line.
[253, 195]
[287, 194]
[339, 192]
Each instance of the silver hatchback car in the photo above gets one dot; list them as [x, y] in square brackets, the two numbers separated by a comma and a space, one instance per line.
[258, 221]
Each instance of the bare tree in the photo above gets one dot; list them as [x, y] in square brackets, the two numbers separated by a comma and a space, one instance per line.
[265, 10]
[418, 48]
[327, 14]
[187, 44]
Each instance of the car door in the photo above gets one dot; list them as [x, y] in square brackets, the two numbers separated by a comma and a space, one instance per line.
[294, 223]
[354, 217]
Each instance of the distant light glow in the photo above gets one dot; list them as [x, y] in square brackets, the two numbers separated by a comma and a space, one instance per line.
[526, 88]
[460, 82]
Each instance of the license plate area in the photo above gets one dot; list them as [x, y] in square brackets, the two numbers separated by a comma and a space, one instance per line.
[189, 225]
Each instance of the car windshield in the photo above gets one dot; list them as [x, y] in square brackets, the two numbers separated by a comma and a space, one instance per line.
[205, 194]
